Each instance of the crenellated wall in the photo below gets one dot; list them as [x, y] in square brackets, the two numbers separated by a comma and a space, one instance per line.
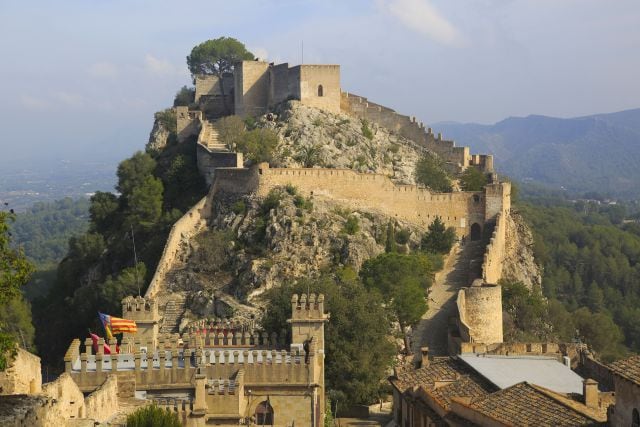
[368, 191]
[494, 253]
[457, 157]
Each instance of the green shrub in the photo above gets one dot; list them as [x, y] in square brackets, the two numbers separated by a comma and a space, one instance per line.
[366, 130]
[184, 97]
[239, 207]
[272, 201]
[402, 236]
[317, 121]
[153, 416]
[430, 172]
[291, 189]
[302, 203]
[258, 145]
[343, 122]
[231, 131]
[211, 253]
[394, 148]
[352, 226]
[167, 118]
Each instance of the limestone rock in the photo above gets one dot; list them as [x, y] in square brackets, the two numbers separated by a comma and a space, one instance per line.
[519, 263]
[159, 137]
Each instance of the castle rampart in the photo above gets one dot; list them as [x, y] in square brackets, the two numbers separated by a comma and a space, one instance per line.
[187, 226]
[22, 375]
[457, 157]
[494, 253]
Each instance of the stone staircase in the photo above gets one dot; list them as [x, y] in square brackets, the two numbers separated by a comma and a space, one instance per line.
[463, 264]
[209, 137]
[174, 309]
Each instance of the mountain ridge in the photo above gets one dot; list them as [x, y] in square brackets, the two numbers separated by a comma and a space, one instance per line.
[588, 153]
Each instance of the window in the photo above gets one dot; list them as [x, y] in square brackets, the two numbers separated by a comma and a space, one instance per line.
[264, 414]
[320, 90]
[635, 418]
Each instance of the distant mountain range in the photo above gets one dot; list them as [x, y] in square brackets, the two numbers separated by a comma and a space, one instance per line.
[593, 153]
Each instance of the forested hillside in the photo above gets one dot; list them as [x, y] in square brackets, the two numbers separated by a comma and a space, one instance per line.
[594, 153]
[591, 272]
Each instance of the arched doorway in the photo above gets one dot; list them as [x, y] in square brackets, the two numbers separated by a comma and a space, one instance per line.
[635, 418]
[320, 90]
[476, 231]
[264, 414]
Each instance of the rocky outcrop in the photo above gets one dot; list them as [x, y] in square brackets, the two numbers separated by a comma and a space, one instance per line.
[312, 137]
[159, 136]
[258, 248]
[519, 263]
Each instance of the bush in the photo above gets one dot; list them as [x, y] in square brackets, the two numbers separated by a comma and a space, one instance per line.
[291, 189]
[167, 118]
[352, 226]
[258, 145]
[272, 201]
[231, 131]
[153, 416]
[302, 203]
[184, 97]
[366, 131]
[472, 179]
[402, 236]
[430, 172]
[211, 254]
[438, 239]
[239, 207]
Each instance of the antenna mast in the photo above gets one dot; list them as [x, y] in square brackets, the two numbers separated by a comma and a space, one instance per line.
[135, 259]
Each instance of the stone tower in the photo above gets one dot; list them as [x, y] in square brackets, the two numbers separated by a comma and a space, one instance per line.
[144, 311]
[307, 321]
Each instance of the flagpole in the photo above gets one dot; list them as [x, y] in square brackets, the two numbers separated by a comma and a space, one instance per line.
[135, 259]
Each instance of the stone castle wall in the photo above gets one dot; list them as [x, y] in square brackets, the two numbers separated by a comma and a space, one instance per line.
[251, 93]
[494, 253]
[320, 86]
[22, 376]
[187, 226]
[367, 191]
[103, 402]
[457, 157]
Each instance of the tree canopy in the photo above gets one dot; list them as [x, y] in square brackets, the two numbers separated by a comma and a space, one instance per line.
[15, 271]
[439, 239]
[402, 280]
[358, 321]
[430, 172]
[217, 56]
[472, 179]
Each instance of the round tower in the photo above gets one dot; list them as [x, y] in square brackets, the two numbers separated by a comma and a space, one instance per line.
[483, 305]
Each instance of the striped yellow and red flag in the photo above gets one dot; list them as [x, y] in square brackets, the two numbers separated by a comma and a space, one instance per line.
[122, 325]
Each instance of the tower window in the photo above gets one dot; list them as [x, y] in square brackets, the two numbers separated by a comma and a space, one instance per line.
[264, 413]
[320, 90]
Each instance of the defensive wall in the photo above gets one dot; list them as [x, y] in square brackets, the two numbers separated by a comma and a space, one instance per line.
[214, 95]
[22, 375]
[458, 158]
[186, 227]
[59, 402]
[495, 252]
[373, 191]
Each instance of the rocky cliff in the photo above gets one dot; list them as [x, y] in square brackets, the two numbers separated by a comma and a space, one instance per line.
[519, 263]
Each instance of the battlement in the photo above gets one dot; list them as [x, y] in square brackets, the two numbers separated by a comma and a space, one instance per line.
[307, 308]
[140, 309]
[457, 158]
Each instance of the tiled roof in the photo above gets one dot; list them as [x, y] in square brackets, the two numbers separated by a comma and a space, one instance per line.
[443, 379]
[525, 404]
[628, 369]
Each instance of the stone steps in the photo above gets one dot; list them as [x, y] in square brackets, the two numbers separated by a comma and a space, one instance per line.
[172, 314]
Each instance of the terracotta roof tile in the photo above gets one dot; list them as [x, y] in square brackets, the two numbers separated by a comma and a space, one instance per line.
[627, 368]
[528, 405]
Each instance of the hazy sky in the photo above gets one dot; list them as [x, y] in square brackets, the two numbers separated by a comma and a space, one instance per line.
[86, 76]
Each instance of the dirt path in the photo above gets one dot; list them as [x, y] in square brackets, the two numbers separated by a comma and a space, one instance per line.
[432, 330]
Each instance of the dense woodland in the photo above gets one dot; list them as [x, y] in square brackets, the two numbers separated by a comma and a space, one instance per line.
[589, 252]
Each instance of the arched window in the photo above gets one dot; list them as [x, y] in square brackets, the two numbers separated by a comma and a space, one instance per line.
[635, 418]
[320, 90]
[476, 231]
[476, 198]
[264, 414]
